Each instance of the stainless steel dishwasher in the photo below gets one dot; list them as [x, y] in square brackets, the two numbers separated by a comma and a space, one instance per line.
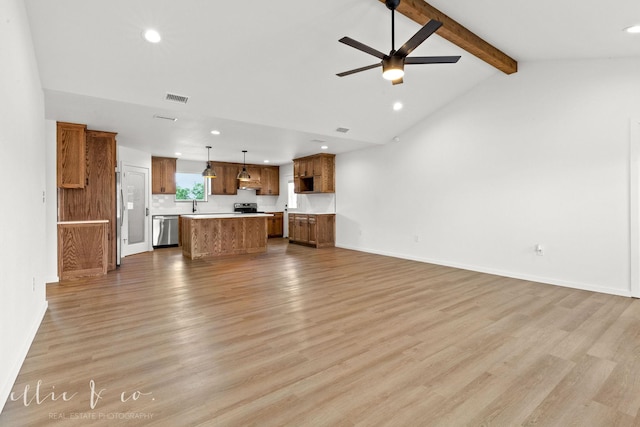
[165, 230]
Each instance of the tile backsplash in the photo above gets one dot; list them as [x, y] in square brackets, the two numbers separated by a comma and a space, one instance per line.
[166, 203]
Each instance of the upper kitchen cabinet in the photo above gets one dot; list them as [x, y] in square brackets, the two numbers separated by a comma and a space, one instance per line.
[71, 153]
[226, 182]
[163, 175]
[269, 181]
[314, 174]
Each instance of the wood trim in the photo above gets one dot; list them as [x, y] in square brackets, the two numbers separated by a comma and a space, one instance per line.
[421, 12]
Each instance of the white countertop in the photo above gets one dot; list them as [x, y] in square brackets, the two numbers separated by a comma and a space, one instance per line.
[226, 215]
[95, 221]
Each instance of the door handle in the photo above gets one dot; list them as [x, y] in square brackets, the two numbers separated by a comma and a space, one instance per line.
[121, 207]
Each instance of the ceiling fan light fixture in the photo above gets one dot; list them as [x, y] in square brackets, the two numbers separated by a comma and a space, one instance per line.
[392, 68]
[244, 175]
[208, 172]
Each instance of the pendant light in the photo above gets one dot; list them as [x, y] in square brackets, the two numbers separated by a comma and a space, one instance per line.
[244, 175]
[209, 172]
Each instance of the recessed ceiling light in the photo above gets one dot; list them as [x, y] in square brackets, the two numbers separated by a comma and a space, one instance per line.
[266, 161]
[152, 36]
[633, 30]
[215, 132]
[397, 106]
[324, 147]
[177, 154]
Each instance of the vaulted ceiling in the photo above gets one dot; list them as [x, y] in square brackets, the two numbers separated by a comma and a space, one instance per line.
[263, 72]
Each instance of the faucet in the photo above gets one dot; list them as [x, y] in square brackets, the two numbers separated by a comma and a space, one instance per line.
[195, 206]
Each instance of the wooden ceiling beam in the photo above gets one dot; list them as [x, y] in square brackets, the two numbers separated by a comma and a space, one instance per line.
[421, 12]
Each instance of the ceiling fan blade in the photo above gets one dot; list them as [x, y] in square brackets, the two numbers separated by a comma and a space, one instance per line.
[422, 34]
[361, 46]
[397, 81]
[357, 70]
[432, 60]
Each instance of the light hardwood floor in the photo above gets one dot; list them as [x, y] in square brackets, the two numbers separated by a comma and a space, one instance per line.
[329, 337]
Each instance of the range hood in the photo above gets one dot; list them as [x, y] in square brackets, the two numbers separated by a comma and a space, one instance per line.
[249, 185]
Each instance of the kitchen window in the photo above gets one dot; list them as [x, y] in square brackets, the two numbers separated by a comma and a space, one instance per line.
[191, 186]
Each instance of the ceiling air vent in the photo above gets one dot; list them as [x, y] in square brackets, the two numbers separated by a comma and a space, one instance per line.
[176, 98]
[342, 130]
[157, 116]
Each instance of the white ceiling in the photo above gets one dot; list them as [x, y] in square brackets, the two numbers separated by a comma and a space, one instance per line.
[263, 72]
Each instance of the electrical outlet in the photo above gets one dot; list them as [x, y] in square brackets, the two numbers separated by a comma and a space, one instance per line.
[539, 250]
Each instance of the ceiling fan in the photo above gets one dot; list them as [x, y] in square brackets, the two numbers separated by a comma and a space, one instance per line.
[393, 63]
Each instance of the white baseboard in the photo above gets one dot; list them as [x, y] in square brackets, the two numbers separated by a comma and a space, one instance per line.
[497, 272]
[5, 391]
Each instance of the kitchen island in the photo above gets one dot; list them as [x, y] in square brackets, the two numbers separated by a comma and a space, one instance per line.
[223, 234]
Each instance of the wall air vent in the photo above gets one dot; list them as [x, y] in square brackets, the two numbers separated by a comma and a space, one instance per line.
[157, 116]
[342, 130]
[176, 98]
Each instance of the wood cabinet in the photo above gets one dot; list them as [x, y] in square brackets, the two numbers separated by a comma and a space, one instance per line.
[314, 174]
[316, 230]
[255, 172]
[97, 200]
[291, 226]
[163, 175]
[264, 179]
[226, 182]
[275, 226]
[303, 167]
[269, 181]
[206, 236]
[312, 235]
[83, 248]
[71, 155]
[301, 228]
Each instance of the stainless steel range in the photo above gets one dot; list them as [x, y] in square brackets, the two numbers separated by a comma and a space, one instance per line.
[246, 208]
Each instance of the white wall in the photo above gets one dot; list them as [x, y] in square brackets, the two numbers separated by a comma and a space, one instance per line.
[538, 157]
[23, 230]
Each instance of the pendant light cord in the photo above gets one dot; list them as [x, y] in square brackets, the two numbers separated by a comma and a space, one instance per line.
[393, 31]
